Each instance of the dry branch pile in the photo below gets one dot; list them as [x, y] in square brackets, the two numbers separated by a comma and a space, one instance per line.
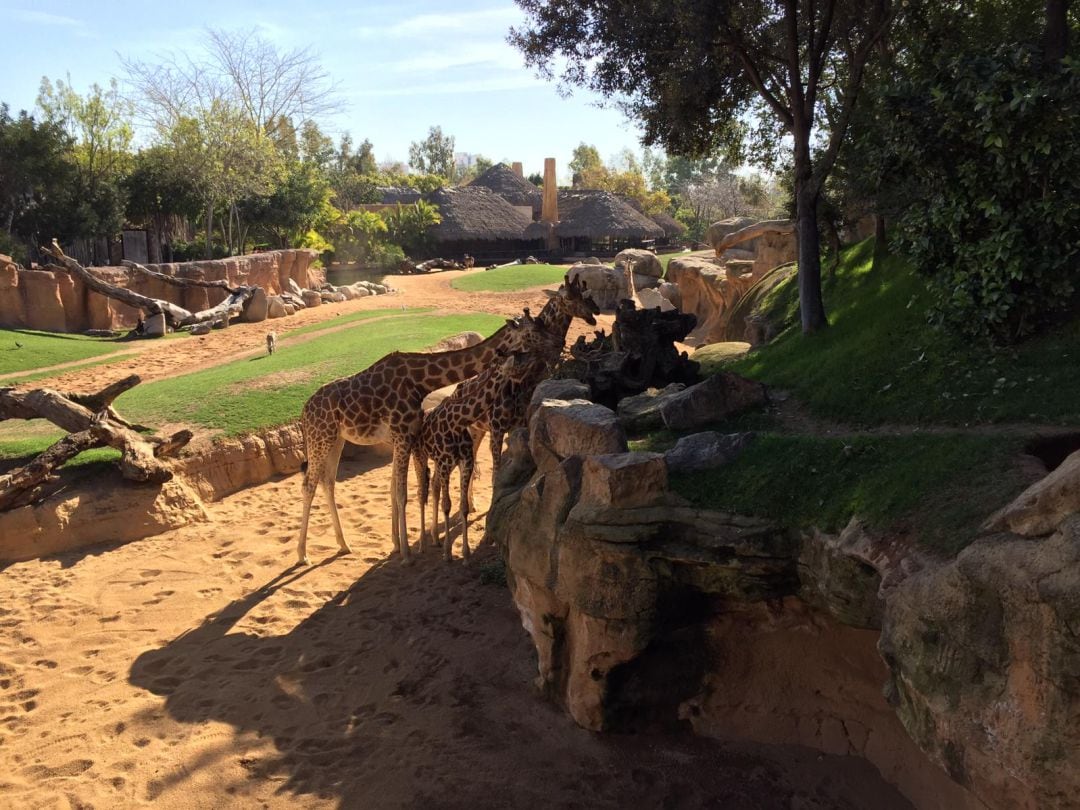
[91, 421]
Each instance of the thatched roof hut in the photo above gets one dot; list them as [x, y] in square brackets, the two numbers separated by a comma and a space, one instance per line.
[501, 179]
[602, 215]
[475, 214]
[391, 195]
[672, 227]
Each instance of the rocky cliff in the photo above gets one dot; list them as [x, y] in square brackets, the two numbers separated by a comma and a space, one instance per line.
[955, 678]
[54, 301]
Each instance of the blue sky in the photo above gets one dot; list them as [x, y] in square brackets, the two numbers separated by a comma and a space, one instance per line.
[401, 66]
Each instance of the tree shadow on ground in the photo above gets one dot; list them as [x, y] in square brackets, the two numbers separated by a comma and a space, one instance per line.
[413, 688]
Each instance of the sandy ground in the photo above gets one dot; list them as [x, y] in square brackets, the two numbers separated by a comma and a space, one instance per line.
[199, 669]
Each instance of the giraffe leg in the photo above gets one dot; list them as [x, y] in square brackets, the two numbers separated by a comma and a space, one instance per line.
[423, 483]
[496, 452]
[436, 488]
[477, 437]
[466, 468]
[444, 495]
[316, 452]
[402, 449]
[329, 478]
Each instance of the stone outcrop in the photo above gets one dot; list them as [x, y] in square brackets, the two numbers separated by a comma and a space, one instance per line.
[705, 451]
[713, 288]
[608, 285]
[707, 290]
[722, 395]
[643, 262]
[1043, 506]
[641, 412]
[646, 612]
[54, 301]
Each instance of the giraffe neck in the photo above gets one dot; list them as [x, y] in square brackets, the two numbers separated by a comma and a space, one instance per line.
[430, 372]
[553, 319]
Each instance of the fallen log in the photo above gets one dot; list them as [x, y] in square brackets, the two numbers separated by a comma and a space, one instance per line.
[174, 315]
[176, 281]
[23, 486]
[91, 421]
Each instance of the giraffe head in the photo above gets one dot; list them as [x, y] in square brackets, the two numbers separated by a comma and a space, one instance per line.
[572, 300]
[527, 336]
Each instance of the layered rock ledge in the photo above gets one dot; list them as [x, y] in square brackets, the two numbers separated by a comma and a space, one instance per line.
[956, 678]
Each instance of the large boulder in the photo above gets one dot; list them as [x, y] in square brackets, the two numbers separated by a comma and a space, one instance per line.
[256, 308]
[641, 412]
[606, 285]
[644, 262]
[651, 299]
[311, 298]
[706, 451]
[559, 429]
[557, 389]
[154, 325]
[462, 340]
[718, 397]
[275, 307]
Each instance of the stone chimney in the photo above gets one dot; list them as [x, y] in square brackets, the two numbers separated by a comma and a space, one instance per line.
[516, 166]
[549, 211]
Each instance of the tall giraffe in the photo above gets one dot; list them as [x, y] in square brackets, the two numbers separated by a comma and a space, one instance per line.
[384, 403]
[445, 437]
[508, 410]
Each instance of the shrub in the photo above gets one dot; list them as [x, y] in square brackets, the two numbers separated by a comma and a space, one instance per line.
[10, 246]
[986, 145]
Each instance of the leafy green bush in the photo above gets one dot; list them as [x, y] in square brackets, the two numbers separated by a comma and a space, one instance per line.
[987, 147]
[10, 246]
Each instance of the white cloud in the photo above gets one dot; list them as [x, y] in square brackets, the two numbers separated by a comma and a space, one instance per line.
[470, 56]
[434, 25]
[44, 18]
[486, 85]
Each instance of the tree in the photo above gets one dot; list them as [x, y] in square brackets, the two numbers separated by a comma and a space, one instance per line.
[691, 71]
[585, 163]
[158, 191]
[470, 166]
[407, 224]
[99, 125]
[434, 154]
[37, 167]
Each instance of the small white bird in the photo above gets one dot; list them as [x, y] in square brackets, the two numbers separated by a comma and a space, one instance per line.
[271, 342]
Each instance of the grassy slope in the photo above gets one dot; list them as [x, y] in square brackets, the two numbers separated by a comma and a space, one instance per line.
[509, 279]
[880, 363]
[261, 391]
[41, 349]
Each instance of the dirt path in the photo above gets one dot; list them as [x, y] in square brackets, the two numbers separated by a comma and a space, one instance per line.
[198, 669]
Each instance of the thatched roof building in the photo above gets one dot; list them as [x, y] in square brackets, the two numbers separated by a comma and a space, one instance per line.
[599, 215]
[476, 220]
[391, 195]
[517, 191]
[672, 227]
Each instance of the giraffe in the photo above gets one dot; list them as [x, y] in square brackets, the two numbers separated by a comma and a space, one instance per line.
[508, 410]
[384, 403]
[446, 438]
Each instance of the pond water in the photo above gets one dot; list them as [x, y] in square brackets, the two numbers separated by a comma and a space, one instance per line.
[342, 274]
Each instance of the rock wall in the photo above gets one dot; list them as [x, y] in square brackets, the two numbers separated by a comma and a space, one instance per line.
[646, 611]
[55, 301]
[712, 288]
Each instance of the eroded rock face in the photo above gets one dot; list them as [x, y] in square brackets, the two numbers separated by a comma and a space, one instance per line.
[1042, 507]
[644, 262]
[641, 412]
[706, 451]
[984, 655]
[645, 611]
[559, 429]
[707, 291]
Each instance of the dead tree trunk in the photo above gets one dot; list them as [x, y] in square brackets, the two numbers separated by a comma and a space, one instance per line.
[90, 421]
[175, 317]
[175, 281]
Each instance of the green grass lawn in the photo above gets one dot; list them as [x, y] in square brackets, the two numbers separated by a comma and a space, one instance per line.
[509, 279]
[940, 488]
[257, 392]
[43, 349]
[880, 360]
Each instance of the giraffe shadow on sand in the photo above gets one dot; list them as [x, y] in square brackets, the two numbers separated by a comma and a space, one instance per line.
[413, 688]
